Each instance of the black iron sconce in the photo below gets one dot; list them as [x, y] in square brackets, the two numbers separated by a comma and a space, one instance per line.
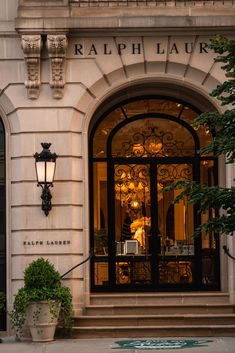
[45, 163]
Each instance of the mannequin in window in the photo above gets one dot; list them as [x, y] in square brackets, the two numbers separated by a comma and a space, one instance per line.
[126, 229]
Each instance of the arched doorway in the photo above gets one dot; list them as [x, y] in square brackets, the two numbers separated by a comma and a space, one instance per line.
[2, 220]
[141, 240]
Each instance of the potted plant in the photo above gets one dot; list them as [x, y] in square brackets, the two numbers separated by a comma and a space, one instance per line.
[42, 303]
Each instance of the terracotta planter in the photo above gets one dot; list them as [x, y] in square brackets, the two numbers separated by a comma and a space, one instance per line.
[42, 318]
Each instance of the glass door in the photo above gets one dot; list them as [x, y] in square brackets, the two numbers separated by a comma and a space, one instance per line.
[152, 237]
[132, 225]
[175, 227]
[142, 239]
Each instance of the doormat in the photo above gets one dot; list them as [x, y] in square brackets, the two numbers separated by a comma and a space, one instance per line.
[161, 344]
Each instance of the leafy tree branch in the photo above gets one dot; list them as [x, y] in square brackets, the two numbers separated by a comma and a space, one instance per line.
[222, 129]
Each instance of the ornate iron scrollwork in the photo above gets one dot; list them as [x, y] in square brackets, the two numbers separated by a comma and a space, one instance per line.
[174, 172]
[151, 142]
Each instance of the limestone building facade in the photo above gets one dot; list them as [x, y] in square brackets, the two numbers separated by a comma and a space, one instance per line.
[114, 87]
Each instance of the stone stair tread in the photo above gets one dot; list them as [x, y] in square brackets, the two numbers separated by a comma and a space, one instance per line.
[159, 298]
[160, 294]
[167, 314]
[146, 294]
[158, 327]
[157, 305]
[190, 315]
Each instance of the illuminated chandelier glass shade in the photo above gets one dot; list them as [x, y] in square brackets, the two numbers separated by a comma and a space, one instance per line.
[45, 163]
[132, 193]
[132, 186]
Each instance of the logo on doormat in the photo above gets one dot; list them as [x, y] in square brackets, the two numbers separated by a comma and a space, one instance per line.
[161, 344]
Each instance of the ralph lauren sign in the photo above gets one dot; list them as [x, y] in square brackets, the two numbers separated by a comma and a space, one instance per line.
[92, 49]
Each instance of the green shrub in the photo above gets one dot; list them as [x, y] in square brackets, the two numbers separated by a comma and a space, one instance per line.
[41, 274]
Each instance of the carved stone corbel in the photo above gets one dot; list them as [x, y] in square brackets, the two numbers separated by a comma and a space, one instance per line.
[31, 45]
[56, 46]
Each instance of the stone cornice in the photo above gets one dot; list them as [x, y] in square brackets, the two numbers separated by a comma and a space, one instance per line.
[69, 16]
[133, 24]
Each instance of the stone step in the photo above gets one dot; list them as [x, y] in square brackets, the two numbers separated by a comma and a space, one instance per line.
[160, 298]
[156, 315]
[158, 309]
[153, 331]
[155, 320]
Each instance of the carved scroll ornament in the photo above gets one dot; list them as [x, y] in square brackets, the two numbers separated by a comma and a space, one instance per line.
[57, 45]
[31, 45]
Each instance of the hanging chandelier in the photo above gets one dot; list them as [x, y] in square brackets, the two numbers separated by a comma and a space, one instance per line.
[132, 186]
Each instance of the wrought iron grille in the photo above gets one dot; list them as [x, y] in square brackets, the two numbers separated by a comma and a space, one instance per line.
[152, 142]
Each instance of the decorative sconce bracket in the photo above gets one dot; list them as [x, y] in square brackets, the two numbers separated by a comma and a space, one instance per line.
[45, 163]
[46, 199]
[31, 45]
[56, 46]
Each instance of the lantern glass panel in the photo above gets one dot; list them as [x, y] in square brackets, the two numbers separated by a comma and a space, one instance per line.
[50, 170]
[40, 169]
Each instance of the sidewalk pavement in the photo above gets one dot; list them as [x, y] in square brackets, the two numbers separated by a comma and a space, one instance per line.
[116, 345]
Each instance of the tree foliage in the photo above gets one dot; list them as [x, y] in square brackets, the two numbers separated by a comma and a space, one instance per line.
[222, 128]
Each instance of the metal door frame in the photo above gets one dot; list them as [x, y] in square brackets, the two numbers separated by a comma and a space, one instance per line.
[110, 161]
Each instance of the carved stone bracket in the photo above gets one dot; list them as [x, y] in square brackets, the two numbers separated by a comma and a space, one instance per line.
[31, 45]
[56, 46]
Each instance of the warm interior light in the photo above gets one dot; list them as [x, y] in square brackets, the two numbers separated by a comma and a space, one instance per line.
[153, 145]
[138, 149]
[135, 204]
[131, 185]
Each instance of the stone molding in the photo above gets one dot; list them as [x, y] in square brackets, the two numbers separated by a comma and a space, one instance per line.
[151, 3]
[43, 3]
[31, 45]
[127, 3]
[56, 46]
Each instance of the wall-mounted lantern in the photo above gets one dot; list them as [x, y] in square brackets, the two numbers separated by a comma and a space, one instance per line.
[45, 163]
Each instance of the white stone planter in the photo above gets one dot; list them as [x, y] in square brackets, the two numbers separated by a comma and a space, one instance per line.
[42, 318]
